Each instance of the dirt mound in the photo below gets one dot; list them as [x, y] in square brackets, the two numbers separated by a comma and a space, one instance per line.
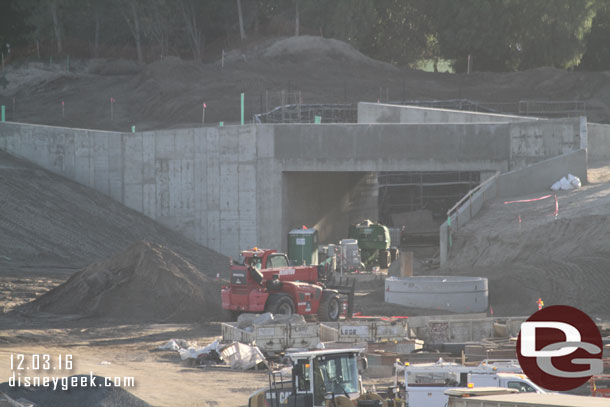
[307, 46]
[49, 223]
[75, 396]
[147, 282]
[169, 93]
[563, 260]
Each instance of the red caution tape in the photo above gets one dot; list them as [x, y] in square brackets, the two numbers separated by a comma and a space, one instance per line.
[528, 200]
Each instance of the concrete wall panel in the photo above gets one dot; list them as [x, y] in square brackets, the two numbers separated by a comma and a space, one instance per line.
[598, 140]
[540, 176]
[115, 155]
[383, 113]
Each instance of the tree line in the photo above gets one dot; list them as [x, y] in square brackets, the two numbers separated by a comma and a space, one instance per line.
[497, 35]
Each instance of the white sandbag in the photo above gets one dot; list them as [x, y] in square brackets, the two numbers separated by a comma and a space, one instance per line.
[194, 352]
[263, 319]
[574, 181]
[567, 183]
[175, 345]
[246, 320]
[294, 319]
[170, 345]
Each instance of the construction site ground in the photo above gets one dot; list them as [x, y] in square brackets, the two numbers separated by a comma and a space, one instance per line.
[52, 228]
[527, 252]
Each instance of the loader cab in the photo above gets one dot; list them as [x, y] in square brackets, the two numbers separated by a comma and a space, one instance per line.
[318, 376]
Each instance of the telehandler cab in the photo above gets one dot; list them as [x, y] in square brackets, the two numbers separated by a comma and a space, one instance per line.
[264, 281]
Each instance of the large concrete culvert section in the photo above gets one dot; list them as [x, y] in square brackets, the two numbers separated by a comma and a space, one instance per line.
[449, 293]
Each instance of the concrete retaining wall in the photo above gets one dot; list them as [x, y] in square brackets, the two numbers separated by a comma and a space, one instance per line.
[383, 113]
[225, 187]
[599, 140]
[531, 139]
[534, 178]
[203, 182]
[392, 147]
[466, 212]
[540, 176]
[532, 142]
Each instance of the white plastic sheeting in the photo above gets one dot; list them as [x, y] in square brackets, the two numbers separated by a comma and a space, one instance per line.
[193, 352]
[189, 350]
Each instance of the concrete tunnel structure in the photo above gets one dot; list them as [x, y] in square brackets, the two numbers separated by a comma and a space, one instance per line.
[233, 187]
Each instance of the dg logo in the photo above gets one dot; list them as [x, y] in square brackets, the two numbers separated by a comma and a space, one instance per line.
[560, 348]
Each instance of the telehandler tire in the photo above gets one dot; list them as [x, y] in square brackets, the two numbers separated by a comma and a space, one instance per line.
[330, 308]
[280, 304]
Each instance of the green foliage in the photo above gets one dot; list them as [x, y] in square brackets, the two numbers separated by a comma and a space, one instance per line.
[597, 54]
[498, 34]
[552, 34]
[13, 26]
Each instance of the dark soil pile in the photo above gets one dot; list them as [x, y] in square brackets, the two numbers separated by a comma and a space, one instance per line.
[51, 223]
[147, 282]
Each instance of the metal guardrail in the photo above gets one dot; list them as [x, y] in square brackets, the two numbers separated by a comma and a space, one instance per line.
[306, 113]
[348, 112]
[468, 197]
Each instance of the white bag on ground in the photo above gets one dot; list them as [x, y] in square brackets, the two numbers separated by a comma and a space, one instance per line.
[176, 345]
[567, 183]
[193, 353]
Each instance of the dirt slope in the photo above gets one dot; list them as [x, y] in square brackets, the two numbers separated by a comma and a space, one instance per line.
[563, 260]
[49, 222]
[170, 92]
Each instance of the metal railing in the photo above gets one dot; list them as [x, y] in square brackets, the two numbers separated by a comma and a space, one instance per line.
[468, 197]
[348, 112]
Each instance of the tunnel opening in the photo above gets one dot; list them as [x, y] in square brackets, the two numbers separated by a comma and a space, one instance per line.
[412, 204]
[416, 203]
[328, 201]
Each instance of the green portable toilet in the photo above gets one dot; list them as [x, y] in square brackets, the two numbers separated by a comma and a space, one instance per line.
[303, 246]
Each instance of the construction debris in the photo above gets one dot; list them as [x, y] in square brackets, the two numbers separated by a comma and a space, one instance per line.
[241, 356]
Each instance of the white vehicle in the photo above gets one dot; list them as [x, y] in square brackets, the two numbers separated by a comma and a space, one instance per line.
[516, 381]
[425, 384]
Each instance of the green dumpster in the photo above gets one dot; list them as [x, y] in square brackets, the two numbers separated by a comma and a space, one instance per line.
[303, 246]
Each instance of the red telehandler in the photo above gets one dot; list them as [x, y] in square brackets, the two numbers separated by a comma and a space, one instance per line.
[264, 281]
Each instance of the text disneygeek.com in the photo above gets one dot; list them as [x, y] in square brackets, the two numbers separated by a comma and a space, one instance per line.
[35, 371]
